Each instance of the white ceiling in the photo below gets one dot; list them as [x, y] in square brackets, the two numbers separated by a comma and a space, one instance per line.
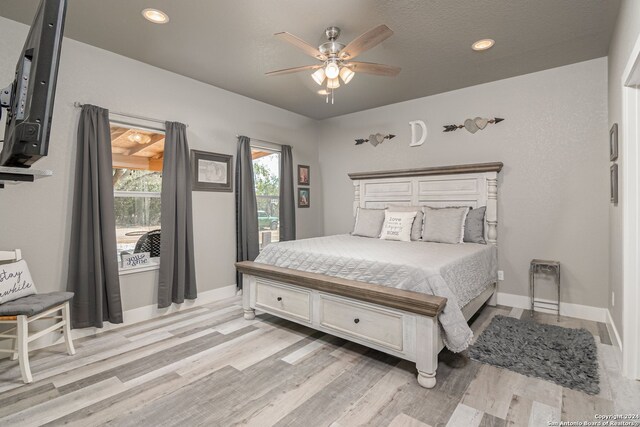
[230, 44]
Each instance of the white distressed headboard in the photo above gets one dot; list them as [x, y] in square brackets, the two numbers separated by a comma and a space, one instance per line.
[472, 185]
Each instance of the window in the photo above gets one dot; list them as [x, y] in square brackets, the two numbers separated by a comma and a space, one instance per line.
[266, 175]
[137, 156]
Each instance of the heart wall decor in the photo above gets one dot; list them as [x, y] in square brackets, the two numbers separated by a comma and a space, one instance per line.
[374, 139]
[473, 125]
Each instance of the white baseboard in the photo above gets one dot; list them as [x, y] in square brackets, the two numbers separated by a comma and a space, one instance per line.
[585, 312]
[152, 311]
[613, 331]
[141, 314]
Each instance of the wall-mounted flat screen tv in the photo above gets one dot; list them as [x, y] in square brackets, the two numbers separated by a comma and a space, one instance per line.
[29, 98]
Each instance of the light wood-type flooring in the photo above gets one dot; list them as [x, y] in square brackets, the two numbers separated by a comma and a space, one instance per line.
[208, 366]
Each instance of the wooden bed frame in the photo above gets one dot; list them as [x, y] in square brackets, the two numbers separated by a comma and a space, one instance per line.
[394, 321]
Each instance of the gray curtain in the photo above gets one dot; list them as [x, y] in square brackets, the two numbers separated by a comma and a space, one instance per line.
[93, 264]
[287, 201]
[246, 207]
[177, 280]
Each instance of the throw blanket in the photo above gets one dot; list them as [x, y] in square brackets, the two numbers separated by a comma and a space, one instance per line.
[456, 272]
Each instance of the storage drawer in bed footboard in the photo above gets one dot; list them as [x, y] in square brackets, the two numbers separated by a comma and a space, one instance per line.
[285, 300]
[363, 321]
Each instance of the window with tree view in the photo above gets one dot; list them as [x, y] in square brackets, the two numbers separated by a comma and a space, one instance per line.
[137, 156]
[266, 174]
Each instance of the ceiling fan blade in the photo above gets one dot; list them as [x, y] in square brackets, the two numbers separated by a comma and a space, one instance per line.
[293, 70]
[366, 41]
[373, 68]
[301, 44]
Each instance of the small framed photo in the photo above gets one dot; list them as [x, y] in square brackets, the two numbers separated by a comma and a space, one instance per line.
[613, 142]
[303, 175]
[304, 200]
[614, 183]
[211, 171]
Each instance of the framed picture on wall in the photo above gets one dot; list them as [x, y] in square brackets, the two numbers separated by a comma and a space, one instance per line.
[614, 183]
[303, 174]
[304, 200]
[613, 142]
[211, 171]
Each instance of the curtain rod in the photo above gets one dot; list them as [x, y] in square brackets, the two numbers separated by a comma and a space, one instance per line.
[260, 140]
[132, 116]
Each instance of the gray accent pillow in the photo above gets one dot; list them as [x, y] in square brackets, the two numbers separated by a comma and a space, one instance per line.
[474, 226]
[416, 229]
[444, 225]
[368, 222]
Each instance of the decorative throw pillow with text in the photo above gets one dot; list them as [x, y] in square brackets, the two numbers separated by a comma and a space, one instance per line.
[15, 281]
[397, 225]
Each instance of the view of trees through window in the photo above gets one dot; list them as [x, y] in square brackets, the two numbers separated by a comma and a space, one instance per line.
[137, 184]
[266, 175]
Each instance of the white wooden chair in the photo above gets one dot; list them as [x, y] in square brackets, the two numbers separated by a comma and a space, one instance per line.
[23, 311]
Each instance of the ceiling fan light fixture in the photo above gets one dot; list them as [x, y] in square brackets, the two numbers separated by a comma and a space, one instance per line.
[332, 70]
[156, 16]
[333, 83]
[139, 138]
[483, 44]
[346, 74]
[318, 76]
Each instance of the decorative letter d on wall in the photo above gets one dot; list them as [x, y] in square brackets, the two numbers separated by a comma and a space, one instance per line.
[414, 141]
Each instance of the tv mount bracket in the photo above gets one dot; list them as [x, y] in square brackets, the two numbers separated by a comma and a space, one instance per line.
[10, 175]
[5, 98]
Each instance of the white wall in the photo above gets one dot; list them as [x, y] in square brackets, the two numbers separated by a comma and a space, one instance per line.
[37, 217]
[624, 37]
[553, 190]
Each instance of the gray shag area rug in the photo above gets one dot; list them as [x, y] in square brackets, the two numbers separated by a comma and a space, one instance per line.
[568, 357]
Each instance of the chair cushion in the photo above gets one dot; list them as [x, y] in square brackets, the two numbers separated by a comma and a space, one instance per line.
[34, 304]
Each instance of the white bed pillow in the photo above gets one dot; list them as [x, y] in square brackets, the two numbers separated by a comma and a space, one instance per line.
[15, 281]
[416, 229]
[444, 225]
[368, 222]
[397, 225]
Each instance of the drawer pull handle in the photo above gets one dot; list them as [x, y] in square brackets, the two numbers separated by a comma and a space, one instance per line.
[356, 320]
[279, 298]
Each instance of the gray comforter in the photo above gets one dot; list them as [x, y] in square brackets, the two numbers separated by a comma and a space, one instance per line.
[456, 272]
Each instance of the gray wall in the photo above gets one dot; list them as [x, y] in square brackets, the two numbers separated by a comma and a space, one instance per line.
[36, 217]
[624, 37]
[553, 189]
[553, 194]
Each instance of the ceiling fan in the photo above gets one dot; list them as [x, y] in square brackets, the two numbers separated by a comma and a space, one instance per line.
[337, 58]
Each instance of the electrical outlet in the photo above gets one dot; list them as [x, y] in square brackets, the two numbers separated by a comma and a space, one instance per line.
[500, 275]
[613, 299]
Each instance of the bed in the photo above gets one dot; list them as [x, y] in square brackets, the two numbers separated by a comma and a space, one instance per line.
[408, 299]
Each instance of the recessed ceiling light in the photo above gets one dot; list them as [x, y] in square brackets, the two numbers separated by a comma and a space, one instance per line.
[483, 44]
[156, 16]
